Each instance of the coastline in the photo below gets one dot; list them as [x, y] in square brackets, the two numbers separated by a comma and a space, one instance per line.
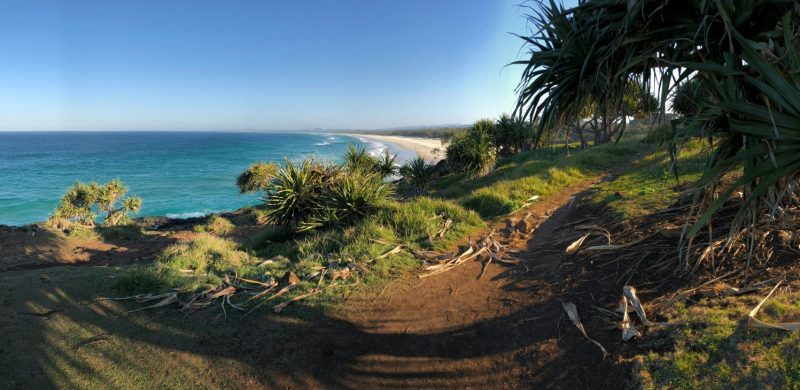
[406, 148]
[428, 148]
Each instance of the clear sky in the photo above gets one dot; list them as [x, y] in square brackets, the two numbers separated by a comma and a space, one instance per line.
[283, 65]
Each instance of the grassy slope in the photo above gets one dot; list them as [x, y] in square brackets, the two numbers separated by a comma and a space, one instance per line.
[95, 343]
[542, 172]
[651, 183]
[722, 353]
[201, 264]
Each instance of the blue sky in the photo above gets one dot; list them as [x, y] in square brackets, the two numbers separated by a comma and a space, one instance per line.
[214, 65]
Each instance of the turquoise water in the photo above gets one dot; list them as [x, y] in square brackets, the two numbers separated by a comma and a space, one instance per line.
[177, 174]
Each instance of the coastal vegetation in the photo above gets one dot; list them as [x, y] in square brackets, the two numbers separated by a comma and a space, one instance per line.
[82, 203]
[735, 80]
[216, 225]
[648, 202]
[417, 175]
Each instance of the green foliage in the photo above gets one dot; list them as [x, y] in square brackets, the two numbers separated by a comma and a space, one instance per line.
[200, 263]
[216, 225]
[413, 222]
[82, 203]
[386, 164]
[685, 97]
[436, 133]
[746, 64]
[357, 158]
[296, 193]
[541, 172]
[512, 135]
[256, 216]
[474, 151]
[652, 182]
[723, 353]
[256, 177]
[353, 196]
[417, 174]
[119, 232]
[311, 195]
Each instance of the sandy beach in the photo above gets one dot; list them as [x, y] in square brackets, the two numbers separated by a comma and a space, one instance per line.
[428, 148]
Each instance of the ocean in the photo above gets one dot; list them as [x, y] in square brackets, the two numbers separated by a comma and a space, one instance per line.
[177, 174]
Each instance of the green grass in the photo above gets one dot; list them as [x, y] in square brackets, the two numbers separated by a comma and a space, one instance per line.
[203, 262]
[651, 183]
[105, 233]
[216, 225]
[542, 172]
[723, 353]
[194, 265]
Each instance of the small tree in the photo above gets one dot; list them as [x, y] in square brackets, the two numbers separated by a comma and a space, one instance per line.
[82, 203]
[256, 177]
[474, 151]
[386, 164]
[358, 158]
[418, 173]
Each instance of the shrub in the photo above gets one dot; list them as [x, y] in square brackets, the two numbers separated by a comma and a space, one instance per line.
[256, 216]
[295, 195]
[120, 232]
[512, 135]
[387, 164]
[312, 195]
[474, 151]
[204, 254]
[256, 177]
[217, 225]
[417, 173]
[189, 266]
[353, 196]
[358, 158]
[82, 203]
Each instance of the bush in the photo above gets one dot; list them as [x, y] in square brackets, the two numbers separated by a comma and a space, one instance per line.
[204, 254]
[121, 232]
[312, 195]
[256, 177]
[387, 164]
[418, 220]
[255, 216]
[417, 173]
[358, 158]
[512, 135]
[353, 196]
[189, 266]
[216, 225]
[82, 203]
[474, 151]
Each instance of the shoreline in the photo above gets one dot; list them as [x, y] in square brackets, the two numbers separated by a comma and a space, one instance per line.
[430, 149]
[423, 147]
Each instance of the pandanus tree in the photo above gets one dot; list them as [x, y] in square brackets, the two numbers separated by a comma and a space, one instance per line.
[738, 63]
[300, 197]
[82, 203]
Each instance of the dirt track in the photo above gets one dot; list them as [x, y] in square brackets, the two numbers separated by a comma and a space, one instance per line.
[454, 330]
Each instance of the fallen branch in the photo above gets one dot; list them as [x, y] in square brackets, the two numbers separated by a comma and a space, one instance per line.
[572, 312]
[485, 267]
[754, 322]
[277, 308]
[394, 250]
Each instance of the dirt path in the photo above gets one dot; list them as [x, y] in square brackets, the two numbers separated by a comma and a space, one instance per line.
[453, 330]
